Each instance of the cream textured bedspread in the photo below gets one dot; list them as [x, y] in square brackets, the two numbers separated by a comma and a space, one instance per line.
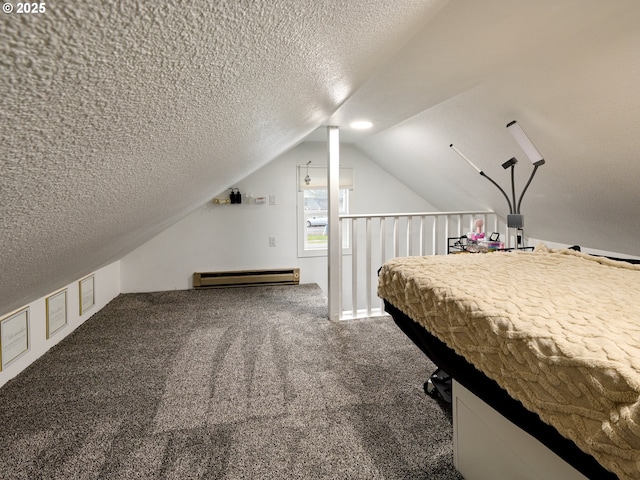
[558, 329]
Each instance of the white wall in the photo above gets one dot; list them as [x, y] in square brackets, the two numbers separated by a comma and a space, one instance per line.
[106, 288]
[236, 237]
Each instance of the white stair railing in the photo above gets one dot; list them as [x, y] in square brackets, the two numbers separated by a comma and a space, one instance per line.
[375, 238]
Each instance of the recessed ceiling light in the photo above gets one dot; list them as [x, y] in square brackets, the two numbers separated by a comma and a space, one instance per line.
[361, 125]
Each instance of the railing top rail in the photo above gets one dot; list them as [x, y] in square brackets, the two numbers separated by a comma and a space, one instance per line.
[417, 214]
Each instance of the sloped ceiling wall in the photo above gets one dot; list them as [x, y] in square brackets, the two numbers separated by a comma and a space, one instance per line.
[119, 118]
[568, 72]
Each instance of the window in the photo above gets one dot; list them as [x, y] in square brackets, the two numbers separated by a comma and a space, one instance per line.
[315, 223]
[313, 212]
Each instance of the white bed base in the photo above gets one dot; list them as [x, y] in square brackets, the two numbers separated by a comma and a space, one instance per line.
[487, 446]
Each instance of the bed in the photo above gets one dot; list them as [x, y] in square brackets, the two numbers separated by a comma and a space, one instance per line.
[550, 339]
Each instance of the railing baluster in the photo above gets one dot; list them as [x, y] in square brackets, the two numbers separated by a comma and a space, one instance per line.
[368, 266]
[354, 267]
[446, 230]
[383, 241]
[383, 250]
[434, 232]
[409, 236]
[396, 238]
[422, 237]
[340, 281]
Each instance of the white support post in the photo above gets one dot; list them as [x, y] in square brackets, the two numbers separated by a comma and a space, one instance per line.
[334, 248]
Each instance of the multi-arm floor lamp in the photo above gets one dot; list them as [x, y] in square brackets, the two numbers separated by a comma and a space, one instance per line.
[515, 219]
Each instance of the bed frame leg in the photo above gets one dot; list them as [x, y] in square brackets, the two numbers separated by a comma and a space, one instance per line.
[439, 385]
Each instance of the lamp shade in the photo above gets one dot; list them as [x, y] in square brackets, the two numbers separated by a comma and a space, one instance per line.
[525, 144]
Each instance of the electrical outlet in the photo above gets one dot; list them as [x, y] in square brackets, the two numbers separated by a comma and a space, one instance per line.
[272, 241]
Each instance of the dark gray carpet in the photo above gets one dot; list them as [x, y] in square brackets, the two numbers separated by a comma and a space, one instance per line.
[226, 384]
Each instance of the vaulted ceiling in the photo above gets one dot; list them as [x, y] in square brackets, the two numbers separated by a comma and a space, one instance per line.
[118, 118]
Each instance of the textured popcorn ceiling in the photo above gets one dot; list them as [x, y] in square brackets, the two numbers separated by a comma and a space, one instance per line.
[118, 118]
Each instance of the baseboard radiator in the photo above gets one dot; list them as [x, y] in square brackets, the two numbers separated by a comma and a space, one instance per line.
[246, 278]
